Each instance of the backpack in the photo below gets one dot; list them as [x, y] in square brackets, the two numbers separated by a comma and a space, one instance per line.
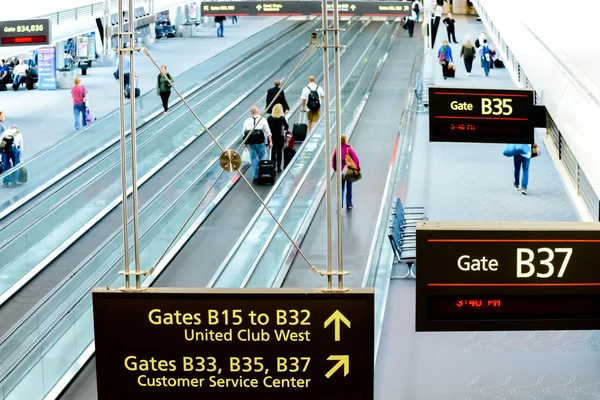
[256, 137]
[7, 143]
[313, 103]
[416, 8]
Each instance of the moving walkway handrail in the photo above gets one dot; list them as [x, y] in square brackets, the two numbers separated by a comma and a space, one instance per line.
[259, 37]
[115, 202]
[83, 296]
[246, 272]
[198, 91]
[16, 330]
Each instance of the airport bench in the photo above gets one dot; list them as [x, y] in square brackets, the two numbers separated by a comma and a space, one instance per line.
[402, 233]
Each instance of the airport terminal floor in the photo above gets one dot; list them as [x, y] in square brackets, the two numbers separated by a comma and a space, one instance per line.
[208, 227]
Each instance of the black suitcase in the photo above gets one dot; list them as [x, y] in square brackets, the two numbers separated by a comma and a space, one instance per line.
[299, 130]
[128, 92]
[288, 154]
[266, 172]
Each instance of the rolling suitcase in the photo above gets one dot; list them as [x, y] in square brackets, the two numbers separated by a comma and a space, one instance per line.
[300, 129]
[266, 172]
[288, 154]
[128, 90]
[451, 72]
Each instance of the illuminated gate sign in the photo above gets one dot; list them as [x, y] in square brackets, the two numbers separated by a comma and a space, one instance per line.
[25, 32]
[507, 276]
[234, 344]
[291, 8]
[481, 115]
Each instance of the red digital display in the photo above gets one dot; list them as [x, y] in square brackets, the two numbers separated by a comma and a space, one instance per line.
[29, 39]
[463, 308]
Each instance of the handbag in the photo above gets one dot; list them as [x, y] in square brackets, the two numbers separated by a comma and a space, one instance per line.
[245, 157]
[535, 150]
[350, 173]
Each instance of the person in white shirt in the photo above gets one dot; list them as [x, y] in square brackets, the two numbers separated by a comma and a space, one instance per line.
[417, 7]
[312, 98]
[19, 73]
[11, 156]
[256, 134]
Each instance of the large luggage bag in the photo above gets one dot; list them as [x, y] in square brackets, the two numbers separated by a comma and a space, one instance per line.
[128, 90]
[266, 172]
[288, 154]
[451, 72]
[300, 129]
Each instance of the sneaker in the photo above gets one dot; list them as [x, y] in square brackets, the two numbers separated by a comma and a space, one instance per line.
[279, 170]
[516, 187]
[468, 74]
[350, 207]
[524, 191]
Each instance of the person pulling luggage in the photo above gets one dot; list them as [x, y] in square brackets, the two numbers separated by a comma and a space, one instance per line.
[256, 134]
[278, 126]
[11, 148]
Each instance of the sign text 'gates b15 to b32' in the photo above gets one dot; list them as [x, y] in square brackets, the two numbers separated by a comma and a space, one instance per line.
[234, 344]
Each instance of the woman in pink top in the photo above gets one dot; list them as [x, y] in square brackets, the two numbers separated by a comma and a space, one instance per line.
[346, 186]
[79, 94]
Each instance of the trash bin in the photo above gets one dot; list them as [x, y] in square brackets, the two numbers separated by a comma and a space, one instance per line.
[66, 77]
[186, 30]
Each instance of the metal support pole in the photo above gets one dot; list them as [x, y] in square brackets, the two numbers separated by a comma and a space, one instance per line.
[134, 196]
[106, 43]
[123, 150]
[338, 137]
[327, 143]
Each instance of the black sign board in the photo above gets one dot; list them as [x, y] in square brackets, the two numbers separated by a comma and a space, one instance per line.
[481, 115]
[25, 32]
[234, 344]
[507, 276]
[290, 8]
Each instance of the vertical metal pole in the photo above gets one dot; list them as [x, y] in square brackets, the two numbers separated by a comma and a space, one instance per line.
[327, 143]
[106, 45]
[134, 197]
[123, 150]
[338, 137]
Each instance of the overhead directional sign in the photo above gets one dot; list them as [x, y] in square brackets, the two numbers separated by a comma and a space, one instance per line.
[291, 8]
[234, 344]
[507, 276]
[25, 32]
[481, 115]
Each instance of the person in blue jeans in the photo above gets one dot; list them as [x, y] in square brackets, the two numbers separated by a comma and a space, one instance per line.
[347, 151]
[486, 58]
[522, 162]
[220, 20]
[257, 136]
[12, 157]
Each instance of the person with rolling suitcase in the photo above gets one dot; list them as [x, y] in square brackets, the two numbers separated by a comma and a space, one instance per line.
[256, 134]
[278, 126]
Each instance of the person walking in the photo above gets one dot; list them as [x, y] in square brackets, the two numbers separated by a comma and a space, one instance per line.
[163, 88]
[2, 119]
[279, 97]
[256, 134]
[486, 57]
[220, 20]
[4, 75]
[521, 162]
[450, 23]
[79, 95]
[417, 7]
[468, 53]
[312, 97]
[234, 19]
[410, 23]
[349, 157]
[278, 125]
[445, 58]
[12, 150]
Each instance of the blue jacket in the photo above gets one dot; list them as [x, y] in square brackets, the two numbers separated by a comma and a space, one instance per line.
[448, 54]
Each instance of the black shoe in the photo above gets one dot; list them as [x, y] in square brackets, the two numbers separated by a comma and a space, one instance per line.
[279, 170]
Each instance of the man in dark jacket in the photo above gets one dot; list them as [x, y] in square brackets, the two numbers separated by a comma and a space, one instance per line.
[271, 93]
